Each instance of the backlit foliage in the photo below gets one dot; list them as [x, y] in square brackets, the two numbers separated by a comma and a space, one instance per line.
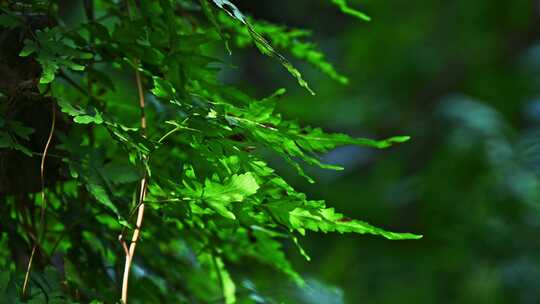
[214, 207]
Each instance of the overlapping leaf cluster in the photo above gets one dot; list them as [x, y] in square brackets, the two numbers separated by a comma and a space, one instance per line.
[215, 204]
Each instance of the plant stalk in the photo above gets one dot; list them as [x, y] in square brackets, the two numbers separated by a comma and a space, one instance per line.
[41, 234]
[142, 195]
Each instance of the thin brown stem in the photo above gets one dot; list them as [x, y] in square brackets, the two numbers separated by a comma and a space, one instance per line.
[28, 270]
[143, 186]
[42, 170]
[142, 195]
[43, 200]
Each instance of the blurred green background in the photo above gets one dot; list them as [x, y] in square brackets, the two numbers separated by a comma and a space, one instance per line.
[462, 79]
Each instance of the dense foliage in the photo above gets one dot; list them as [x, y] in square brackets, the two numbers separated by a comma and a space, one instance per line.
[82, 165]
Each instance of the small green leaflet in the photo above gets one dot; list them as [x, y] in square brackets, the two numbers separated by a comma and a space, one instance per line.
[269, 251]
[101, 195]
[268, 50]
[88, 170]
[327, 220]
[317, 140]
[231, 9]
[54, 51]
[163, 89]
[235, 190]
[345, 8]
[261, 43]
[227, 284]
[219, 196]
[81, 116]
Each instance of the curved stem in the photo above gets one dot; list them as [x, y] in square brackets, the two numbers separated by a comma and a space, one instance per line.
[134, 239]
[40, 236]
[142, 195]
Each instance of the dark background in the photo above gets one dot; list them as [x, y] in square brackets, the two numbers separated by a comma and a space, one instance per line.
[462, 79]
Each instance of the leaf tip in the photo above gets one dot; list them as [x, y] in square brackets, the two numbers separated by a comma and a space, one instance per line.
[400, 139]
